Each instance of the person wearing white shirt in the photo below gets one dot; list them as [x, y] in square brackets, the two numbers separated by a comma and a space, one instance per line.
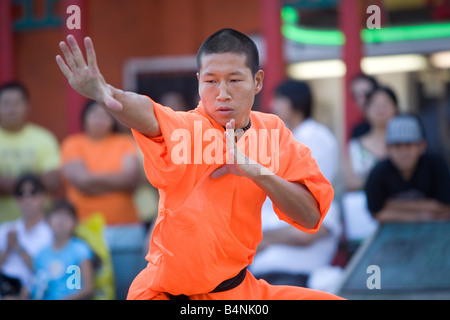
[287, 256]
[22, 239]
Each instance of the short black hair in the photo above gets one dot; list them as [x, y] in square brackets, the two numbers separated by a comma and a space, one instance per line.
[299, 93]
[230, 40]
[38, 186]
[17, 86]
[63, 204]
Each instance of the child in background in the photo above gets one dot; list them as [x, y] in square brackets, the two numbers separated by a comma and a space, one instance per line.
[64, 270]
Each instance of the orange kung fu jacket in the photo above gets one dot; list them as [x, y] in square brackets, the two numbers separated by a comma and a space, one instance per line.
[208, 229]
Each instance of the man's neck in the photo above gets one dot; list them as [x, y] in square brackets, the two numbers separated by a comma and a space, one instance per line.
[13, 128]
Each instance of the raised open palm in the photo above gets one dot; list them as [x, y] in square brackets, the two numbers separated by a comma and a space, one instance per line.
[84, 77]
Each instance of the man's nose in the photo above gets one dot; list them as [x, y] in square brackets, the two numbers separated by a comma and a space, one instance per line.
[223, 94]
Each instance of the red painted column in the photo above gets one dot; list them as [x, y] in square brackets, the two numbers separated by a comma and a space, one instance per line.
[275, 67]
[6, 42]
[74, 102]
[350, 21]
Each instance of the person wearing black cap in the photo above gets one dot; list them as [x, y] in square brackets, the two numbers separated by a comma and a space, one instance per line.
[411, 185]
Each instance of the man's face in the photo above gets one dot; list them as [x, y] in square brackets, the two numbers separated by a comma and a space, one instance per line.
[405, 155]
[227, 87]
[13, 109]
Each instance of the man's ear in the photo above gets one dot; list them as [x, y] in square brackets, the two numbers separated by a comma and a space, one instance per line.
[198, 76]
[259, 77]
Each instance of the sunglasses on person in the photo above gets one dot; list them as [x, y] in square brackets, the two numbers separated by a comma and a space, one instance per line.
[22, 193]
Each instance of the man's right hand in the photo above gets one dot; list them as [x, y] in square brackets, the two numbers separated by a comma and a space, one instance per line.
[84, 77]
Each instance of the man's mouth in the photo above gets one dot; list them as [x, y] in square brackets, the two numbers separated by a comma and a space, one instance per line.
[224, 110]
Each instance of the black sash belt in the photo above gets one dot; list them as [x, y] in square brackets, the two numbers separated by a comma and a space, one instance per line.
[232, 282]
[224, 286]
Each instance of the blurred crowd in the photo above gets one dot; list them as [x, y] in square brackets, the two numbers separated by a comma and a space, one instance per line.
[75, 216]
[103, 227]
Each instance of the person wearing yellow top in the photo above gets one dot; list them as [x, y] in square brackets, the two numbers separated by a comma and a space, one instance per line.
[24, 148]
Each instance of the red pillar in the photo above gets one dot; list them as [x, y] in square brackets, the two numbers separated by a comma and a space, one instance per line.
[6, 42]
[350, 20]
[74, 102]
[275, 67]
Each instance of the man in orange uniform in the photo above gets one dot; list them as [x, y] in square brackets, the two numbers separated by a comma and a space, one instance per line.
[213, 166]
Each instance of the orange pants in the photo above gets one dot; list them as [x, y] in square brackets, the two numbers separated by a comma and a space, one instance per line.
[254, 289]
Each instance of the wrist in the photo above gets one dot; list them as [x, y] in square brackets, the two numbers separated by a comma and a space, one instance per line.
[252, 170]
[259, 173]
[262, 176]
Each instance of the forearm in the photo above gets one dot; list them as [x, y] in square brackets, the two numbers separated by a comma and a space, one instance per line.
[292, 198]
[137, 112]
[291, 236]
[394, 215]
[103, 183]
[413, 210]
[92, 183]
[420, 205]
[51, 180]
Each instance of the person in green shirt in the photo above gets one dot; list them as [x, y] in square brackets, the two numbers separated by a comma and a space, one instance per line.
[24, 148]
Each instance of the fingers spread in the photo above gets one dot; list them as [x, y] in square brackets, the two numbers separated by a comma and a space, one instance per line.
[78, 56]
[68, 55]
[90, 52]
[63, 67]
